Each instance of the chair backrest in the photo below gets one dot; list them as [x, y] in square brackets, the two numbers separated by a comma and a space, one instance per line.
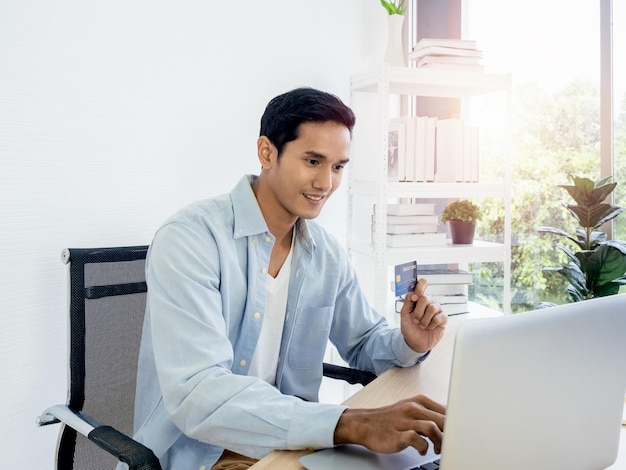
[107, 303]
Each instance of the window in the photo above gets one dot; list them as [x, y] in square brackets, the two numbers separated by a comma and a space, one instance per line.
[553, 50]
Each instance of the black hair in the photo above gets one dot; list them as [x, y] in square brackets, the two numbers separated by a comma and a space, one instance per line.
[283, 115]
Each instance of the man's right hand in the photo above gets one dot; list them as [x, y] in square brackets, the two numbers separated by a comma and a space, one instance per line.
[395, 427]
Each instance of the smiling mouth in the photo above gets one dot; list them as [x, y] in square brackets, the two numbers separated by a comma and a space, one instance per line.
[314, 198]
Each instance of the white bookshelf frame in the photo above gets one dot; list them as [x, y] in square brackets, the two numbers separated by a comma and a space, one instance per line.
[386, 81]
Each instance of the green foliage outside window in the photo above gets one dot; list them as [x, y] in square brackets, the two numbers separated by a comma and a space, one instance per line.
[553, 137]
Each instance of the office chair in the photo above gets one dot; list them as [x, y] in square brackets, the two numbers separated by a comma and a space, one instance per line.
[106, 309]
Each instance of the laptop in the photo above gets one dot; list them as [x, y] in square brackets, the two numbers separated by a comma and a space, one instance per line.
[542, 390]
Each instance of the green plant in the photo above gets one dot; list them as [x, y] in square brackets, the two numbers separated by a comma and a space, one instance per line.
[394, 7]
[597, 268]
[463, 210]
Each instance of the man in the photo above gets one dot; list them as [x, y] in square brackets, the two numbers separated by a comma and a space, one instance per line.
[244, 291]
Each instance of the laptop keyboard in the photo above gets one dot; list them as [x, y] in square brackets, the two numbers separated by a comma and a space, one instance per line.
[429, 466]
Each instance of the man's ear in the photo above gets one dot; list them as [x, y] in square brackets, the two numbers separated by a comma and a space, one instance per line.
[265, 149]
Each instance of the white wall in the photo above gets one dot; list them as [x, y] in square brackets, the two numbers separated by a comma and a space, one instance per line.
[115, 114]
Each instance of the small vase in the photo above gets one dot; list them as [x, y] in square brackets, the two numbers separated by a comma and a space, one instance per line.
[394, 55]
[462, 233]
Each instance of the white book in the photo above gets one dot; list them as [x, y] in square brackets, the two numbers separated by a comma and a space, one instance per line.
[449, 299]
[411, 219]
[416, 239]
[445, 42]
[447, 59]
[446, 276]
[449, 145]
[476, 68]
[455, 309]
[459, 153]
[467, 150]
[446, 289]
[411, 147]
[411, 208]
[420, 148]
[429, 151]
[474, 156]
[400, 229]
[443, 51]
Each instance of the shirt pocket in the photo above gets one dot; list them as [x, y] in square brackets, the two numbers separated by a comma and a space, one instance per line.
[310, 337]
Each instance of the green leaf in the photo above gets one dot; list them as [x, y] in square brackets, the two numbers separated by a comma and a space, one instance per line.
[589, 216]
[557, 231]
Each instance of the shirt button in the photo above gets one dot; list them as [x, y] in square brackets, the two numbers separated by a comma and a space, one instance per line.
[243, 363]
[268, 239]
[257, 315]
[264, 271]
[202, 468]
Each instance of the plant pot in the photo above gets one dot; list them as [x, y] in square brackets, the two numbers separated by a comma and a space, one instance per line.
[462, 232]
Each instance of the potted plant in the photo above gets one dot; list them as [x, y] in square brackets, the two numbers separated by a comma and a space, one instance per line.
[461, 216]
[598, 265]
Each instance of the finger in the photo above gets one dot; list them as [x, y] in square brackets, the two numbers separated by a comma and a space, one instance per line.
[431, 404]
[432, 316]
[432, 432]
[411, 299]
[420, 287]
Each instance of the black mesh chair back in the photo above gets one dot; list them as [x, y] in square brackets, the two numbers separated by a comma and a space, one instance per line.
[107, 303]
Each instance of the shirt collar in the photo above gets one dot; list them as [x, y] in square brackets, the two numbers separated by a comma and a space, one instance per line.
[249, 218]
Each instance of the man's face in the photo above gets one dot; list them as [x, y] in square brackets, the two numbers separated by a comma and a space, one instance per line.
[310, 169]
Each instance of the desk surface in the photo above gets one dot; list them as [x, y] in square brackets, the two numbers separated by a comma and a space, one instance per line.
[430, 378]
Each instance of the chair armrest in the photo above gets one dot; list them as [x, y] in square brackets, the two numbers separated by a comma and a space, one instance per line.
[352, 376]
[116, 443]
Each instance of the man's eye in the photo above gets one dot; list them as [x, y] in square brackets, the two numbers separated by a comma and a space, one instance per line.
[314, 162]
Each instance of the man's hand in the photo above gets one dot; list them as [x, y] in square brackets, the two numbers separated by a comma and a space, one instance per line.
[422, 322]
[395, 427]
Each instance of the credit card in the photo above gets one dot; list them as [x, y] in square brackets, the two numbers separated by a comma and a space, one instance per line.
[405, 278]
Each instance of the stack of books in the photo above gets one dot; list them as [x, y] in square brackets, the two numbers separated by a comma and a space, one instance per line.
[448, 287]
[447, 54]
[411, 224]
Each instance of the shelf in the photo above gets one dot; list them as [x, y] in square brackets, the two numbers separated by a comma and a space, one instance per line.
[432, 190]
[429, 82]
[479, 251]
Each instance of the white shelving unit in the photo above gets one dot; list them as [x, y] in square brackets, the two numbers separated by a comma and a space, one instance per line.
[378, 91]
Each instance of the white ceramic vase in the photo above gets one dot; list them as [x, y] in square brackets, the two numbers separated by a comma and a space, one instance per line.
[394, 55]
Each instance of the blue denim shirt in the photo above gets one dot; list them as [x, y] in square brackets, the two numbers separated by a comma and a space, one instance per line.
[206, 272]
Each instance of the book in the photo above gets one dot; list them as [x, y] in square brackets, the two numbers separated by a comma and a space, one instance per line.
[396, 154]
[399, 229]
[411, 208]
[429, 149]
[446, 289]
[448, 149]
[416, 239]
[457, 67]
[420, 147]
[474, 154]
[445, 42]
[449, 299]
[455, 309]
[411, 219]
[446, 276]
[411, 147]
[417, 54]
[448, 59]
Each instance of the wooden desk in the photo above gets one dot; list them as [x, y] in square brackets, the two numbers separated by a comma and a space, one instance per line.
[430, 378]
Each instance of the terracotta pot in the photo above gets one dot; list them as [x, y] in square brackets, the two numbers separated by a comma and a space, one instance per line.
[462, 232]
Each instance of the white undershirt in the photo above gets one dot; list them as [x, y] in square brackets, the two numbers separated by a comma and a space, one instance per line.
[265, 358]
